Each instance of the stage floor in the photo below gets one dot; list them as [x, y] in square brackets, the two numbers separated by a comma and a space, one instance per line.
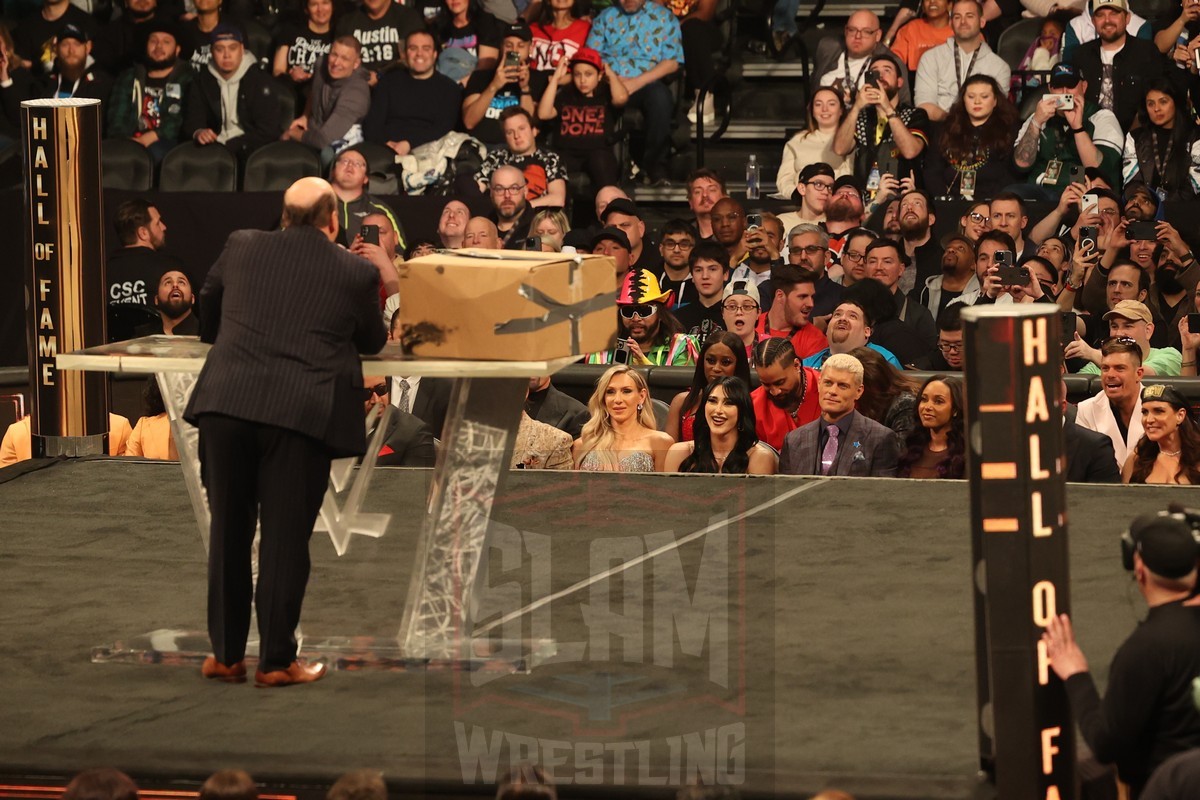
[781, 634]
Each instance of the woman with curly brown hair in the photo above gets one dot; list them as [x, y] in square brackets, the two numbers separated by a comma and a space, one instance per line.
[1169, 451]
[973, 153]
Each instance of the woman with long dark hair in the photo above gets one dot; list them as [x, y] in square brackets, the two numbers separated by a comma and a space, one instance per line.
[888, 396]
[1169, 450]
[1163, 152]
[937, 446]
[725, 440]
[973, 153]
[721, 355]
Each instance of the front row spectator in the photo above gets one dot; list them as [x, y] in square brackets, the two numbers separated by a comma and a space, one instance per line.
[842, 441]
[17, 444]
[936, 447]
[721, 355]
[786, 397]
[339, 101]
[1169, 450]
[147, 100]
[725, 440]
[230, 101]
[586, 110]
[1116, 410]
[622, 434]
[151, 437]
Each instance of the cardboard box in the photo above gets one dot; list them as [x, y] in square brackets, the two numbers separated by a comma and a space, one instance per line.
[507, 305]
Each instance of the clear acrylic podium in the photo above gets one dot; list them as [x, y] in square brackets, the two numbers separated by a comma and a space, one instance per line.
[481, 424]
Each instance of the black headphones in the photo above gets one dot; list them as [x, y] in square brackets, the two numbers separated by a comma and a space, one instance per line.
[1130, 545]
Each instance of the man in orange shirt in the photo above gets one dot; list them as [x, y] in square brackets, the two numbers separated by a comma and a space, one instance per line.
[787, 395]
[790, 315]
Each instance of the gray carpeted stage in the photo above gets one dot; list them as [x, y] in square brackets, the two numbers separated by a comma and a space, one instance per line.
[846, 658]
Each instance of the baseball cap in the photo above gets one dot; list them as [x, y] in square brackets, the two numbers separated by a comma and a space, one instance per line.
[225, 32]
[851, 181]
[1132, 310]
[1166, 544]
[1165, 393]
[71, 31]
[456, 63]
[613, 235]
[747, 288]
[1065, 76]
[1096, 5]
[957, 237]
[519, 31]
[586, 55]
[815, 169]
[622, 205]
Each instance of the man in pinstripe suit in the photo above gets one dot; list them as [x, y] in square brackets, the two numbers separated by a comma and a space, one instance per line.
[280, 395]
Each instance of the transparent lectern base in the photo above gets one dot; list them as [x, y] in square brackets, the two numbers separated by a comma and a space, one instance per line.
[350, 653]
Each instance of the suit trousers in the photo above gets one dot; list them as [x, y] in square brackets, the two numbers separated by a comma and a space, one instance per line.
[254, 471]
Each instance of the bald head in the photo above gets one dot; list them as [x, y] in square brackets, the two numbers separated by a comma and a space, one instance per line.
[311, 201]
[863, 32]
[605, 196]
[482, 233]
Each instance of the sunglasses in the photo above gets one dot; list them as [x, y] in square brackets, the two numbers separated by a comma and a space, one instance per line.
[379, 390]
[643, 310]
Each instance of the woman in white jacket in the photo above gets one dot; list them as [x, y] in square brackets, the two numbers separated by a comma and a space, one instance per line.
[810, 146]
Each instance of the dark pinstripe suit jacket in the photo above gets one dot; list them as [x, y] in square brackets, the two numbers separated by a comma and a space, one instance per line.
[868, 450]
[288, 312]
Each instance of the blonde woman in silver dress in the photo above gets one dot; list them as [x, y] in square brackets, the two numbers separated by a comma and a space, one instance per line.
[622, 435]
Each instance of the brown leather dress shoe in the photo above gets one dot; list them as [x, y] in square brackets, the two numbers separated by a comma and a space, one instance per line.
[234, 673]
[295, 673]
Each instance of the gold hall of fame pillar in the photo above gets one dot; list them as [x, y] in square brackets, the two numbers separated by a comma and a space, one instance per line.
[64, 259]
[1019, 545]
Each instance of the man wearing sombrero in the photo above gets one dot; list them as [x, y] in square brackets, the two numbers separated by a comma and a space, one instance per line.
[650, 332]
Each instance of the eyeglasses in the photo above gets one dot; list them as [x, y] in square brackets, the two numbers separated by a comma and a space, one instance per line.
[346, 162]
[853, 256]
[640, 310]
[680, 244]
[745, 308]
[950, 347]
[378, 390]
[811, 249]
[820, 186]
[514, 189]
[855, 32]
[975, 216]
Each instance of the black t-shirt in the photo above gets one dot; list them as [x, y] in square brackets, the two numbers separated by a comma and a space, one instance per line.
[692, 316]
[304, 46]
[382, 39]
[488, 130]
[483, 30]
[584, 123]
[132, 275]
[34, 37]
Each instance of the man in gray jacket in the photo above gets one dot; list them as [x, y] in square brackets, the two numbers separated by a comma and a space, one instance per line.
[339, 102]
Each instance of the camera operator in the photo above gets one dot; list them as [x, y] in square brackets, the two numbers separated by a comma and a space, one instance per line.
[1147, 714]
[1057, 137]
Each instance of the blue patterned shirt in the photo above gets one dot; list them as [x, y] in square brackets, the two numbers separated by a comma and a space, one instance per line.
[634, 43]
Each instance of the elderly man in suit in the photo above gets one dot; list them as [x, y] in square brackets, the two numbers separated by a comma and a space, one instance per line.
[288, 312]
[841, 441]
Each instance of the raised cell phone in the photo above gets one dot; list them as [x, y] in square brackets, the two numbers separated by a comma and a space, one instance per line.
[1064, 102]
[622, 352]
[532, 243]
[753, 221]
[1078, 174]
[1090, 200]
[1088, 239]
[1193, 323]
[369, 234]
[1068, 327]
[1141, 231]
[512, 59]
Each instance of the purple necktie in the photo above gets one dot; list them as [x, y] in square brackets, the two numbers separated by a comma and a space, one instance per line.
[829, 454]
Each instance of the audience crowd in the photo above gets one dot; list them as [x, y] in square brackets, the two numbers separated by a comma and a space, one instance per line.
[1066, 164]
